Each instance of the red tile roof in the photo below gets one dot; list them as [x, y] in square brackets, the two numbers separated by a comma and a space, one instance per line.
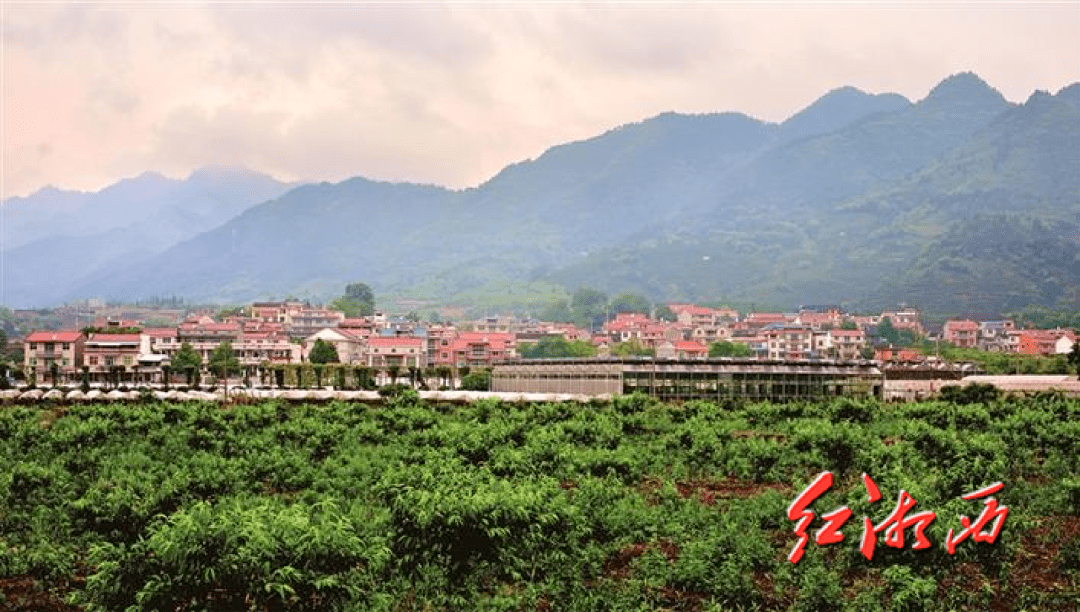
[53, 336]
[114, 338]
[691, 308]
[490, 337]
[851, 333]
[766, 317]
[396, 341]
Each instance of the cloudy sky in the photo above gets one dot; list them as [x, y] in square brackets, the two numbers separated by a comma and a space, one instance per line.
[449, 93]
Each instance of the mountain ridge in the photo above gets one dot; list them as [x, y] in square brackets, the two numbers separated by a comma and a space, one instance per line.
[827, 206]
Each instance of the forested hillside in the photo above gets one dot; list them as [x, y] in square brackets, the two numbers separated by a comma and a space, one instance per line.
[860, 200]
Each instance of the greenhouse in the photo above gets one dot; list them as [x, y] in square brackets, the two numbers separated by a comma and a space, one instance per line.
[672, 379]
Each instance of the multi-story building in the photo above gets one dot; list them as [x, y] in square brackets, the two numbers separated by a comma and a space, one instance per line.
[627, 326]
[995, 336]
[479, 349]
[846, 343]
[402, 351]
[759, 320]
[204, 335]
[349, 342]
[690, 315]
[276, 312]
[707, 334]
[963, 333]
[818, 320]
[105, 352]
[44, 349]
[1045, 341]
[307, 321]
[254, 349]
[439, 338]
[906, 318]
[789, 342]
[682, 349]
[758, 344]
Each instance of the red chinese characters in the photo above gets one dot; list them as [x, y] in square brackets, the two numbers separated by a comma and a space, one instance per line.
[895, 524]
[991, 512]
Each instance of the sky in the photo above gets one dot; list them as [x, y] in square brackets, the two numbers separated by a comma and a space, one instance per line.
[449, 93]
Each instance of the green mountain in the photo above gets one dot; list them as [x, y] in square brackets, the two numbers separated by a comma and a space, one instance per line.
[1001, 215]
[854, 200]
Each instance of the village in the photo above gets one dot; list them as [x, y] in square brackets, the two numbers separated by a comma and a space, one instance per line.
[263, 335]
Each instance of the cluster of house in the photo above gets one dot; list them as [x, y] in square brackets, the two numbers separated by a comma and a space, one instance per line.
[269, 333]
[1003, 336]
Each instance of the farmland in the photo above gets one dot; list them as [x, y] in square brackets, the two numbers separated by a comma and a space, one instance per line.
[623, 504]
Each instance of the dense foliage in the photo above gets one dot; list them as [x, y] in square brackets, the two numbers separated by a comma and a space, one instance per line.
[358, 301]
[551, 347]
[724, 348]
[999, 362]
[323, 352]
[186, 357]
[623, 505]
[223, 360]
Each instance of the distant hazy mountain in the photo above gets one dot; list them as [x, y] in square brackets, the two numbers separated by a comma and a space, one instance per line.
[928, 232]
[1001, 212]
[54, 238]
[854, 200]
[838, 109]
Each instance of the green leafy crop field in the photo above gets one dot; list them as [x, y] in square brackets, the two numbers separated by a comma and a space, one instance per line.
[628, 504]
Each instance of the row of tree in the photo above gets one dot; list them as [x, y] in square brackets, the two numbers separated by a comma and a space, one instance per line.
[590, 308]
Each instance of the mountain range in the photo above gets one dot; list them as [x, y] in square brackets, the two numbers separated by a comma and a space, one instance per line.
[959, 201]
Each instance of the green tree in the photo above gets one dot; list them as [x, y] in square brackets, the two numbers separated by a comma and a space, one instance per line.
[633, 348]
[1074, 357]
[323, 352]
[665, 313]
[444, 373]
[724, 348]
[230, 311]
[186, 358]
[630, 302]
[358, 301]
[887, 332]
[589, 308]
[557, 311]
[555, 347]
[478, 380]
[850, 325]
[223, 360]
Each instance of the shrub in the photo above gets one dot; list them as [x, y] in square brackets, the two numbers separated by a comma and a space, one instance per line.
[975, 393]
[241, 554]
